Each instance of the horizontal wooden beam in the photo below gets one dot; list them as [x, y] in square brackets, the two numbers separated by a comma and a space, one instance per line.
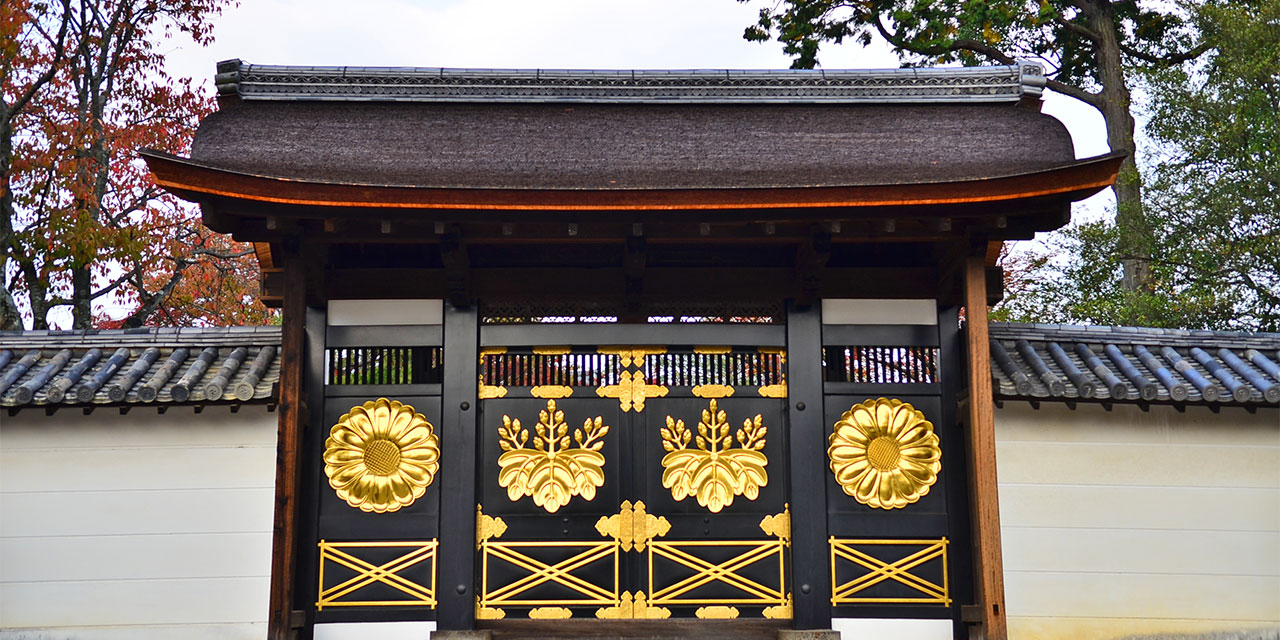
[192, 180]
[608, 284]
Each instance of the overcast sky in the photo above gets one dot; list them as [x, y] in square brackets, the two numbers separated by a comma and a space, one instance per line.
[546, 34]
[555, 34]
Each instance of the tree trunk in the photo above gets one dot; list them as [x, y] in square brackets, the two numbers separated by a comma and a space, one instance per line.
[1116, 103]
[81, 296]
[10, 317]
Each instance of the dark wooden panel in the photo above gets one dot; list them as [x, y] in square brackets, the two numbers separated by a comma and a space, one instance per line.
[637, 334]
[909, 335]
[661, 284]
[388, 390]
[953, 378]
[339, 521]
[459, 411]
[809, 556]
[926, 518]
[386, 336]
[310, 466]
[887, 390]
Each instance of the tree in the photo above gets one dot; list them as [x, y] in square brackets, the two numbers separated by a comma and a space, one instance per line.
[1213, 195]
[1088, 46]
[84, 87]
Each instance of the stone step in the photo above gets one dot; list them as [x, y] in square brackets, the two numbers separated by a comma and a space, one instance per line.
[635, 630]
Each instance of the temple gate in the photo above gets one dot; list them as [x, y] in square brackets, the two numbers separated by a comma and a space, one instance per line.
[611, 353]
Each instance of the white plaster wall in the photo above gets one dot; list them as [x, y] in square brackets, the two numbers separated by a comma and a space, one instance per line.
[136, 526]
[1128, 522]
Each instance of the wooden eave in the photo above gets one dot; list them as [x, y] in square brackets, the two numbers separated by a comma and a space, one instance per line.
[197, 182]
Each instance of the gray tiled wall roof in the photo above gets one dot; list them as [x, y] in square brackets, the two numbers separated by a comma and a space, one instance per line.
[239, 365]
[159, 366]
[1135, 364]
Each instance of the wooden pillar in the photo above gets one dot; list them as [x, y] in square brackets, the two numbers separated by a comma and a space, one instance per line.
[810, 573]
[459, 411]
[291, 417]
[984, 500]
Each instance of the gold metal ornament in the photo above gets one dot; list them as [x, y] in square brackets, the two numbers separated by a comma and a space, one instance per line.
[488, 527]
[778, 525]
[551, 391]
[381, 456]
[631, 391]
[628, 355]
[632, 526]
[712, 391]
[780, 611]
[551, 470]
[633, 606]
[488, 613]
[717, 350]
[488, 391]
[775, 390]
[884, 453]
[717, 612]
[716, 471]
[550, 613]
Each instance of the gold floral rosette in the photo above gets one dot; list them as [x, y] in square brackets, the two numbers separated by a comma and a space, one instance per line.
[884, 453]
[381, 456]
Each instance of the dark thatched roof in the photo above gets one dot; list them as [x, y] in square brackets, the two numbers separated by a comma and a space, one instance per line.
[324, 126]
[540, 146]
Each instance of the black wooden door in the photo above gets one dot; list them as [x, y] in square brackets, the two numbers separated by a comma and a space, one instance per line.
[632, 482]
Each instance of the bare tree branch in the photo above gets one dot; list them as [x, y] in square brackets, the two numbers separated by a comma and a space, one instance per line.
[1078, 29]
[1092, 99]
[1169, 59]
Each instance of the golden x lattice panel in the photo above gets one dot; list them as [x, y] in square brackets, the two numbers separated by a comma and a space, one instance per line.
[889, 571]
[377, 574]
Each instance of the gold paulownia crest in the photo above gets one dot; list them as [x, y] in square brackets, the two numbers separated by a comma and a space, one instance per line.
[884, 453]
[551, 470]
[715, 471]
[381, 456]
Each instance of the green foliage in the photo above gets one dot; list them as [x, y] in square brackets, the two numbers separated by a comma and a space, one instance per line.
[1087, 288]
[1061, 32]
[1212, 198]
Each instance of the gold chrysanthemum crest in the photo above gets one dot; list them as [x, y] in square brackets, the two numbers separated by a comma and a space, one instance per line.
[381, 456]
[551, 470]
[884, 453]
[715, 471]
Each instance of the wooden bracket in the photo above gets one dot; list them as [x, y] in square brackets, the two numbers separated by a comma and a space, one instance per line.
[811, 259]
[634, 262]
[457, 267]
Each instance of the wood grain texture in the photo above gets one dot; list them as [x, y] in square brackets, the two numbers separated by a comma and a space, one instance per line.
[984, 495]
[288, 441]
